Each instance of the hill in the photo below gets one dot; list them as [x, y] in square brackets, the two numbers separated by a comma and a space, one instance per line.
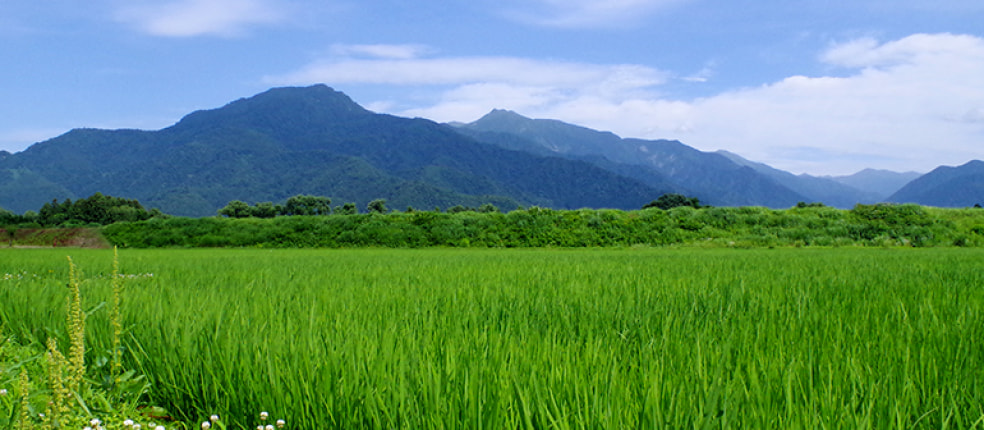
[946, 186]
[312, 140]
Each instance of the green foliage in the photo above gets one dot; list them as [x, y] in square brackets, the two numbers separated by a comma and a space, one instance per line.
[70, 389]
[377, 206]
[8, 217]
[97, 209]
[878, 225]
[488, 208]
[267, 210]
[347, 209]
[673, 200]
[236, 209]
[599, 339]
[307, 205]
[299, 205]
[457, 209]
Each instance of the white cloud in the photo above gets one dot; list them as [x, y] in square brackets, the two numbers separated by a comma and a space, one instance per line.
[611, 79]
[908, 104]
[915, 49]
[586, 13]
[394, 52]
[186, 18]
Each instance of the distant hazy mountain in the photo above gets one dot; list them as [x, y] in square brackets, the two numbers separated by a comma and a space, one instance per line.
[882, 183]
[946, 186]
[712, 177]
[816, 189]
[312, 140]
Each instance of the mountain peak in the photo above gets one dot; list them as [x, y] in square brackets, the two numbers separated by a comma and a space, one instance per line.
[277, 107]
[499, 119]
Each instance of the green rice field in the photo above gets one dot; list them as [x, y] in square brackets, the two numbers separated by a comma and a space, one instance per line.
[836, 338]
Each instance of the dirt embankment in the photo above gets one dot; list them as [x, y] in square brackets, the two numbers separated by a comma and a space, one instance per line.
[53, 237]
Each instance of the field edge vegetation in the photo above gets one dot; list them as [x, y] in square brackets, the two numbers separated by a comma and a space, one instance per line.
[740, 227]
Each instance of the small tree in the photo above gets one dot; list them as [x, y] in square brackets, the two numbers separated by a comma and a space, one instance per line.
[266, 210]
[346, 209]
[236, 209]
[377, 206]
[6, 217]
[672, 200]
[457, 209]
[488, 208]
[307, 205]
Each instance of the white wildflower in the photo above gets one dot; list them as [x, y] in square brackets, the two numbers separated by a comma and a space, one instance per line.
[281, 424]
[264, 415]
[206, 425]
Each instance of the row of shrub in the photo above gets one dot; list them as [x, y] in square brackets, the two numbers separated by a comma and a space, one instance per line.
[866, 225]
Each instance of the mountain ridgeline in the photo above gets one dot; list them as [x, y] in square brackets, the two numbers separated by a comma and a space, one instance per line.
[315, 140]
[718, 178]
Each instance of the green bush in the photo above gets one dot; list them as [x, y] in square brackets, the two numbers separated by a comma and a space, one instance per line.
[866, 225]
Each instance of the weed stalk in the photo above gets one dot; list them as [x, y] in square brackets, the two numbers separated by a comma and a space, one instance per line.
[76, 331]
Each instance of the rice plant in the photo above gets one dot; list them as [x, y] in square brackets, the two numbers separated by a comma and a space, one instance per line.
[491, 339]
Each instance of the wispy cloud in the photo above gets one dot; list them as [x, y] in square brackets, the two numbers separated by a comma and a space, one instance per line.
[186, 18]
[394, 52]
[912, 99]
[466, 75]
[893, 103]
[586, 13]
[470, 86]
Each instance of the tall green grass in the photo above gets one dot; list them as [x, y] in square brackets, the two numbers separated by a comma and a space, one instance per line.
[491, 339]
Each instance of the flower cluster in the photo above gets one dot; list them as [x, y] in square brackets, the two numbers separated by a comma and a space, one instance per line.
[18, 276]
[263, 417]
[136, 426]
[206, 425]
[135, 275]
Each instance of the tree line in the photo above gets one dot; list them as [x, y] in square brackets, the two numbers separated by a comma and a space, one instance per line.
[97, 209]
[320, 205]
[307, 205]
[299, 205]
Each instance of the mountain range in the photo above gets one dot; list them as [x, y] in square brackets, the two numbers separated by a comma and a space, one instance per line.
[315, 140]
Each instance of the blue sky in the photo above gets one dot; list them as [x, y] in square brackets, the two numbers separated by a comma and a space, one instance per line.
[815, 86]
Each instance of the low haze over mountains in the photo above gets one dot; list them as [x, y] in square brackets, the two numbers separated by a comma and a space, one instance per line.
[315, 140]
